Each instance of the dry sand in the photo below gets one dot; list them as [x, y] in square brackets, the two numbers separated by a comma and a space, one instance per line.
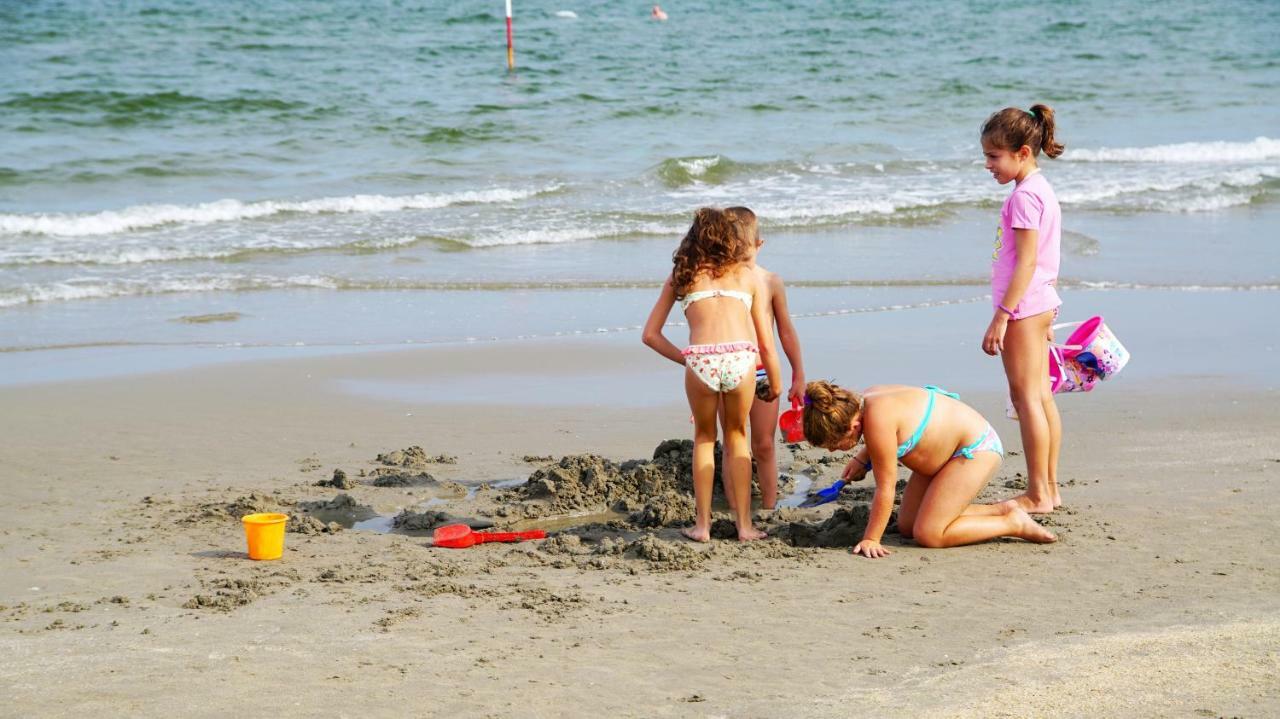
[124, 588]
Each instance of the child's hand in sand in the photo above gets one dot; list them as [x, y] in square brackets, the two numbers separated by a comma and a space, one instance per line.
[855, 470]
[871, 550]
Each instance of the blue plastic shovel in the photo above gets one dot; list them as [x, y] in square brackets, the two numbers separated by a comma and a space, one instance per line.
[822, 496]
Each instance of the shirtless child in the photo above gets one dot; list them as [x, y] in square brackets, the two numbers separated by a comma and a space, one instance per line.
[764, 414]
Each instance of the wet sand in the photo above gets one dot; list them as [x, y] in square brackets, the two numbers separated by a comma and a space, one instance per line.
[122, 561]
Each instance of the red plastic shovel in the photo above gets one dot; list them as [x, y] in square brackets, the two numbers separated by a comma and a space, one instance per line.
[792, 423]
[458, 536]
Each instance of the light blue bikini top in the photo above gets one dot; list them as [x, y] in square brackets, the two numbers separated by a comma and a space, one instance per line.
[910, 444]
[704, 294]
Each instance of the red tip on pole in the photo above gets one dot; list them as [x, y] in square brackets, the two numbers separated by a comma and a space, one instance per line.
[511, 48]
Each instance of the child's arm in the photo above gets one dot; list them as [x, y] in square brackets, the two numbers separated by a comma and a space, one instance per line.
[789, 338]
[882, 445]
[652, 334]
[857, 466]
[764, 340]
[1027, 247]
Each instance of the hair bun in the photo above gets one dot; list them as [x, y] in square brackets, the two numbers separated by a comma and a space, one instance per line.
[819, 393]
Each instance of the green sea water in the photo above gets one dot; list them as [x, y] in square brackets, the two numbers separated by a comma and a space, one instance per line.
[286, 161]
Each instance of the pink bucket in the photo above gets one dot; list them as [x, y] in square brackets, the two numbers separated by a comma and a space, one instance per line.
[1095, 346]
[1092, 353]
[1067, 375]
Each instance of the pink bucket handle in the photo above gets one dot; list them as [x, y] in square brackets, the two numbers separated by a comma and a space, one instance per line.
[1056, 373]
[1076, 344]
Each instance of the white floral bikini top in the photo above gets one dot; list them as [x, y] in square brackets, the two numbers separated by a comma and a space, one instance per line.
[704, 294]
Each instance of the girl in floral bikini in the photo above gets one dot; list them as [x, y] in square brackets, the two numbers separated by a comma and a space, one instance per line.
[728, 330]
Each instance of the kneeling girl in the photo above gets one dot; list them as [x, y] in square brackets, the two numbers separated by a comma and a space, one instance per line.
[952, 453]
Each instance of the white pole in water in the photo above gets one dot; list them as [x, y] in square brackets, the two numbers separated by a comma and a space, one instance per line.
[511, 49]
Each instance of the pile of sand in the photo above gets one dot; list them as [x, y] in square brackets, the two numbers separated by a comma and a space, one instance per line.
[652, 493]
[414, 456]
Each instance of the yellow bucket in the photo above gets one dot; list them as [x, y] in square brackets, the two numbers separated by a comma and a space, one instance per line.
[265, 533]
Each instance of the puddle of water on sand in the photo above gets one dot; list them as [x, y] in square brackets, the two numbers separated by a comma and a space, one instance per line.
[799, 493]
[348, 519]
[383, 523]
[369, 521]
[503, 484]
[380, 524]
[556, 524]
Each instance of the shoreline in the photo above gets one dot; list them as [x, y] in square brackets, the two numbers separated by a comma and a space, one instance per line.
[1173, 332]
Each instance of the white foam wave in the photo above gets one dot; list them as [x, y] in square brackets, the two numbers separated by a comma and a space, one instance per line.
[1261, 148]
[1187, 192]
[698, 166]
[142, 217]
[551, 236]
[790, 200]
[88, 289]
[1113, 285]
[133, 253]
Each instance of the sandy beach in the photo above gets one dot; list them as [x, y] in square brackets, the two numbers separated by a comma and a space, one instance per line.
[342, 261]
[125, 587]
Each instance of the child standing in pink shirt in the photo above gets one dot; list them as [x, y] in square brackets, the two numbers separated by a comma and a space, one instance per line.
[1024, 272]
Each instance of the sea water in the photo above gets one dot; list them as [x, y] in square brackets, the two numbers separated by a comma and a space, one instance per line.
[198, 179]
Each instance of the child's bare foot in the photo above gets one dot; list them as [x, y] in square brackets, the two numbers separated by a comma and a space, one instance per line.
[1057, 498]
[1029, 505]
[750, 534]
[1029, 530]
[697, 534]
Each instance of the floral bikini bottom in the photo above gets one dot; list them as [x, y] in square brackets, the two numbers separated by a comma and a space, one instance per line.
[722, 367]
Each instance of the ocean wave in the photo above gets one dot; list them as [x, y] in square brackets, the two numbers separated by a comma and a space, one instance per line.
[1195, 192]
[123, 109]
[685, 171]
[1113, 285]
[1261, 148]
[559, 235]
[125, 102]
[98, 288]
[89, 288]
[912, 193]
[141, 217]
[141, 254]
[482, 132]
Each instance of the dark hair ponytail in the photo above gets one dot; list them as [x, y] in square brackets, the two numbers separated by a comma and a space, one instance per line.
[1048, 143]
[1012, 128]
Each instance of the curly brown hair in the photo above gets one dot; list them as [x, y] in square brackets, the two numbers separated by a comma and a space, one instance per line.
[829, 410]
[1012, 127]
[714, 243]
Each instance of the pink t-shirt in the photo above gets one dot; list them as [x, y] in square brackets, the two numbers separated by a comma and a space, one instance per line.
[1031, 206]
